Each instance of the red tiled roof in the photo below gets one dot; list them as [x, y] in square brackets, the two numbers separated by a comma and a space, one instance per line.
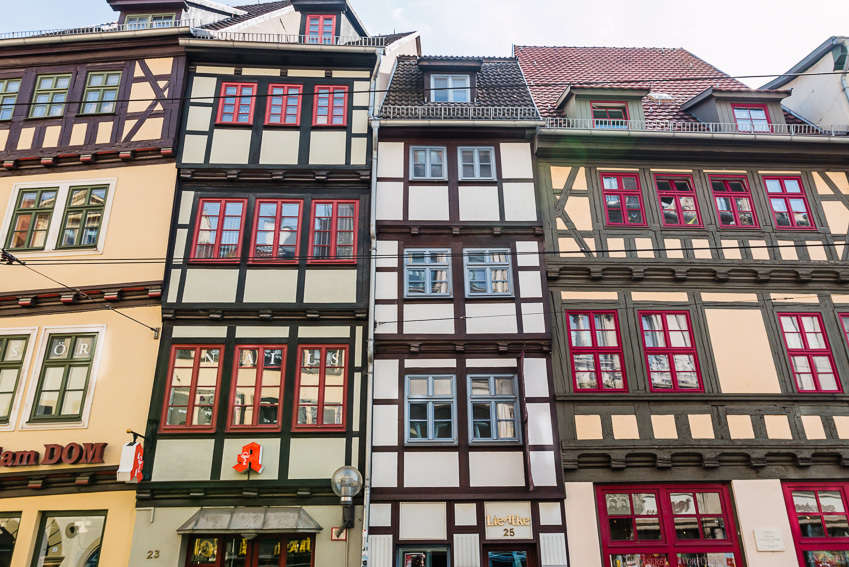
[583, 66]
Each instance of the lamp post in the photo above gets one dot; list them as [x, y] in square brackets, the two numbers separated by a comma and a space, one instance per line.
[347, 483]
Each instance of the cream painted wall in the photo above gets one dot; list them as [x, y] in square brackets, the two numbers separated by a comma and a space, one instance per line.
[491, 318]
[520, 202]
[390, 159]
[338, 286]
[422, 521]
[479, 203]
[183, 459]
[230, 146]
[431, 469]
[428, 203]
[315, 457]
[819, 98]
[760, 505]
[210, 286]
[496, 468]
[742, 351]
[265, 286]
[279, 147]
[138, 227]
[582, 519]
[431, 318]
[516, 161]
[327, 147]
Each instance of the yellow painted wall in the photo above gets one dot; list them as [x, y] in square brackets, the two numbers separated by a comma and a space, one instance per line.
[138, 227]
[742, 351]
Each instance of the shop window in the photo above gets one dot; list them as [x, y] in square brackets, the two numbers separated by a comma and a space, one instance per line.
[476, 163]
[321, 391]
[257, 387]
[284, 105]
[65, 373]
[83, 217]
[820, 522]
[276, 237]
[236, 104]
[331, 106]
[147, 21]
[50, 96]
[450, 88]
[494, 408]
[333, 236]
[427, 162]
[31, 220]
[652, 526]
[610, 115]
[218, 231]
[70, 538]
[751, 117]
[431, 409]
[671, 358]
[811, 360]
[320, 29]
[733, 200]
[678, 205]
[596, 351]
[789, 203]
[13, 348]
[424, 557]
[427, 273]
[193, 377]
[488, 272]
[9, 89]
[259, 551]
[623, 200]
[101, 92]
[9, 526]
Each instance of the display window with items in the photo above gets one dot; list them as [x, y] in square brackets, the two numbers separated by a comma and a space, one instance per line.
[70, 538]
[261, 551]
[423, 557]
[668, 526]
[819, 520]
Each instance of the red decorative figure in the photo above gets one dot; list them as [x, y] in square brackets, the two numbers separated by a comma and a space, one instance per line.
[250, 458]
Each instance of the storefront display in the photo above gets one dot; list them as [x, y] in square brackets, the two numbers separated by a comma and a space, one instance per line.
[238, 551]
[819, 519]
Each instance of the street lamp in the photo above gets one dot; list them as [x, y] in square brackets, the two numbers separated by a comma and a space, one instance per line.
[347, 483]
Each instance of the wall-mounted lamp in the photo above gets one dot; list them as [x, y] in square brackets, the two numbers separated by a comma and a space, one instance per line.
[347, 483]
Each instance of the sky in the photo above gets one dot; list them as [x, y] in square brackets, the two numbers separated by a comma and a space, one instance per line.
[740, 37]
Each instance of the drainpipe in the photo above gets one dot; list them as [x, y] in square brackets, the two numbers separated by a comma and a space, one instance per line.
[375, 126]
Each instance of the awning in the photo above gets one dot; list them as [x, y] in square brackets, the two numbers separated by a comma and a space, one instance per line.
[244, 520]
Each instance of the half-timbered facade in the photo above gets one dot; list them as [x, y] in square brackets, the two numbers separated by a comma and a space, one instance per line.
[697, 284]
[260, 388]
[88, 120]
[464, 450]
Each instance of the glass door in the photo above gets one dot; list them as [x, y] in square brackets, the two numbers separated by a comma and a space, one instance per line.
[513, 556]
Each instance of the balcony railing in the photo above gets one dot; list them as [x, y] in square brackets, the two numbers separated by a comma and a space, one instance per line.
[455, 112]
[345, 40]
[695, 127]
[102, 28]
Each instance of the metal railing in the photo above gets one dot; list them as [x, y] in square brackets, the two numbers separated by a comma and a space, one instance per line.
[456, 112]
[349, 40]
[102, 28]
[695, 127]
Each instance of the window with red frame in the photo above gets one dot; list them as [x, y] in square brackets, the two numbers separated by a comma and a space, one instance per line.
[320, 29]
[257, 387]
[295, 550]
[678, 204]
[844, 321]
[819, 522]
[751, 118]
[236, 104]
[733, 200]
[334, 231]
[276, 231]
[810, 356]
[667, 526]
[671, 359]
[610, 114]
[218, 232]
[623, 202]
[193, 378]
[284, 105]
[331, 106]
[789, 203]
[320, 391]
[596, 351]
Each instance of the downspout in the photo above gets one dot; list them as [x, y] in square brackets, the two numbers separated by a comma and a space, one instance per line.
[375, 126]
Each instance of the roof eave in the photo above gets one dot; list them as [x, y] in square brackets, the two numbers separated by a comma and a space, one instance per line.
[805, 63]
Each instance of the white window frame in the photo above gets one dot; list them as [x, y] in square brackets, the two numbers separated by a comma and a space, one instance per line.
[477, 161]
[23, 379]
[427, 266]
[63, 190]
[452, 88]
[430, 399]
[489, 266]
[493, 399]
[149, 23]
[32, 386]
[428, 163]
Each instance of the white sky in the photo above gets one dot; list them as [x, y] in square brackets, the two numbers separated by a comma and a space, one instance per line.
[740, 37]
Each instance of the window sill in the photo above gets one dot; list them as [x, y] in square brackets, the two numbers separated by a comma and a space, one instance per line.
[490, 297]
[177, 429]
[59, 117]
[233, 262]
[281, 125]
[320, 429]
[332, 262]
[330, 126]
[94, 114]
[434, 180]
[429, 444]
[236, 124]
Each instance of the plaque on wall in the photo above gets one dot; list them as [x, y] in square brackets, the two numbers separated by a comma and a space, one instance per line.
[508, 520]
[769, 540]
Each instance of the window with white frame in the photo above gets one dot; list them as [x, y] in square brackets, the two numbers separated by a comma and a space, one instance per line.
[427, 273]
[427, 162]
[70, 216]
[146, 21]
[494, 408]
[488, 272]
[477, 163]
[450, 88]
[431, 409]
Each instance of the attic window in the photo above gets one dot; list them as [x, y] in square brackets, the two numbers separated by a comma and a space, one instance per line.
[450, 88]
[610, 114]
[147, 21]
[320, 29]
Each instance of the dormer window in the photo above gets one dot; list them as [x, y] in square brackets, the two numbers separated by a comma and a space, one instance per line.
[320, 29]
[610, 114]
[147, 21]
[751, 118]
[450, 88]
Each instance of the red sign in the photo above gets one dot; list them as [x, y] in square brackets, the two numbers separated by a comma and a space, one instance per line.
[132, 462]
[250, 458]
[70, 454]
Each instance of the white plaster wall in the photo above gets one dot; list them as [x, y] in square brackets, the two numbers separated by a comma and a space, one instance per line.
[390, 159]
[422, 521]
[429, 319]
[536, 378]
[183, 459]
[496, 468]
[582, 519]
[210, 286]
[516, 161]
[266, 286]
[315, 457]
[384, 472]
[431, 469]
[539, 424]
[760, 505]
[385, 426]
[487, 318]
[327, 147]
[428, 203]
[230, 146]
[390, 200]
[479, 203]
[322, 286]
[520, 203]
